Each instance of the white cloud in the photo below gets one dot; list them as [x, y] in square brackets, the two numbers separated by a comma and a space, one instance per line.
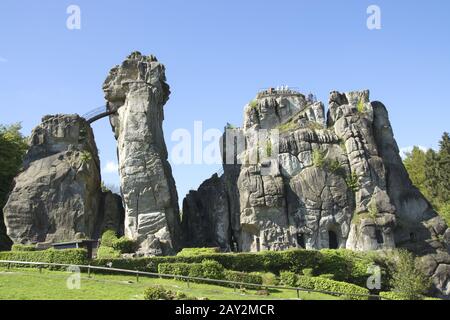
[111, 167]
[3, 59]
[405, 150]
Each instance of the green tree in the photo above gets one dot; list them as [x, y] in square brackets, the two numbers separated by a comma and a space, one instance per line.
[12, 149]
[415, 165]
[430, 173]
[407, 278]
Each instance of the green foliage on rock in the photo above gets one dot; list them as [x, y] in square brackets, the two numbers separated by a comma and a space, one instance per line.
[361, 107]
[318, 158]
[352, 182]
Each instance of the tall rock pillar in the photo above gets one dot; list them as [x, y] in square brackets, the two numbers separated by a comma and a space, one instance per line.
[137, 91]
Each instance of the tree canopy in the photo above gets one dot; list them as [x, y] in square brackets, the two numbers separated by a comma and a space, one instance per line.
[430, 173]
[12, 149]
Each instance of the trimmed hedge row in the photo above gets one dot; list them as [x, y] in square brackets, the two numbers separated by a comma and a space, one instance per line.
[208, 269]
[346, 265]
[23, 247]
[67, 256]
[237, 276]
[324, 284]
[392, 296]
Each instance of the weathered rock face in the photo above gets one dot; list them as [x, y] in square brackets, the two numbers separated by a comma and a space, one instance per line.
[336, 185]
[111, 215]
[209, 218]
[5, 242]
[56, 196]
[138, 91]
[419, 228]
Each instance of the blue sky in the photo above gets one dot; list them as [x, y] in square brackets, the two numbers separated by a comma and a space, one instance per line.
[218, 54]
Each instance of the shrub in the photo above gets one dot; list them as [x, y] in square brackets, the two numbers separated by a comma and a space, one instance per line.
[242, 277]
[178, 269]
[392, 296]
[361, 107]
[329, 276]
[124, 245]
[268, 278]
[196, 271]
[318, 158]
[407, 278]
[308, 272]
[188, 252]
[23, 247]
[67, 256]
[104, 252]
[212, 269]
[253, 104]
[108, 238]
[157, 293]
[322, 284]
[288, 278]
[352, 182]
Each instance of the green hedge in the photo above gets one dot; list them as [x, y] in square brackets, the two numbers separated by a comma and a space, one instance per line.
[187, 252]
[345, 265]
[67, 256]
[179, 269]
[237, 276]
[23, 247]
[321, 283]
[318, 283]
[392, 296]
[208, 269]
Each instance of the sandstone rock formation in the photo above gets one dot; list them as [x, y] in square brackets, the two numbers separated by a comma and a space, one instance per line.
[57, 194]
[137, 91]
[111, 215]
[337, 182]
[5, 242]
[209, 219]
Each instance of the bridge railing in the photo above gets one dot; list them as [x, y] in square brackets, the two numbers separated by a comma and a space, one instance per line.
[95, 112]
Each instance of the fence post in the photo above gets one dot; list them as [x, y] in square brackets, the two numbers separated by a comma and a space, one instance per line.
[188, 282]
[40, 268]
[234, 287]
[298, 294]
[9, 266]
[89, 271]
[137, 276]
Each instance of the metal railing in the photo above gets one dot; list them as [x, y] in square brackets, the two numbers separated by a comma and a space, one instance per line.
[97, 113]
[234, 284]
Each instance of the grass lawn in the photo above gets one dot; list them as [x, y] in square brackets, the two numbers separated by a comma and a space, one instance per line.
[29, 284]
